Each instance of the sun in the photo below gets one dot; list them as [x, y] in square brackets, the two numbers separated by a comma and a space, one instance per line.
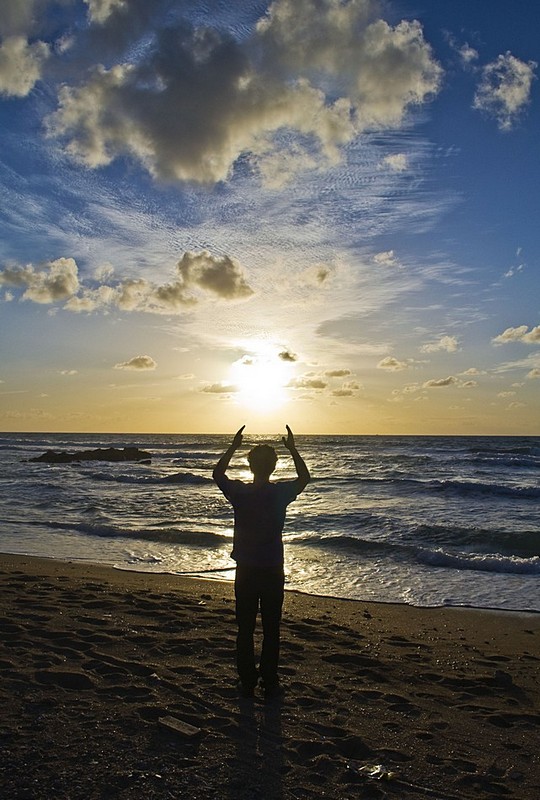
[261, 380]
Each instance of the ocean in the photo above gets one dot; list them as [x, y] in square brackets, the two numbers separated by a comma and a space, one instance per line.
[421, 520]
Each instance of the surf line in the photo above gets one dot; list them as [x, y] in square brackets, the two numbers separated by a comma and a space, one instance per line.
[203, 571]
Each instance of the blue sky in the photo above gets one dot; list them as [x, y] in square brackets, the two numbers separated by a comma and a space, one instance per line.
[313, 212]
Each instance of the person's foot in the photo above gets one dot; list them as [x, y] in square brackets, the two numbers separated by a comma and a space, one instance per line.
[273, 691]
[246, 689]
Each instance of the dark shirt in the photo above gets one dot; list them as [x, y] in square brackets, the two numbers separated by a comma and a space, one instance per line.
[259, 516]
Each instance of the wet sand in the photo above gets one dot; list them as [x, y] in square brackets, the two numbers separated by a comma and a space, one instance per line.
[446, 700]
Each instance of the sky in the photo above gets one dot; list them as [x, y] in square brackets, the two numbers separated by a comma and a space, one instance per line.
[318, 213]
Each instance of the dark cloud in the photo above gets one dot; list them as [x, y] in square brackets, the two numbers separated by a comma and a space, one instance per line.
[187, 100]
[441, 382]
[287, 355]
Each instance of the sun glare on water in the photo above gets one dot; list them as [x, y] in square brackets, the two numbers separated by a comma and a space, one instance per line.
[261, 381]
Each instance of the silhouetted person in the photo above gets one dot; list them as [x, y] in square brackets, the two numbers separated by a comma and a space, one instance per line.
[259, 516]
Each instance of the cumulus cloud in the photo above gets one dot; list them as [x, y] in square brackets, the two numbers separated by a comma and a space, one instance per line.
[448, 343]
[227, 109]
[99, 11]
[382, 69]
[392, 363]
[137, 363]
[534, 373]
[219, 388]
[198, 274]
[308, 381]
[438, 383]
[348, 389]
[57, 280]
[322, 70]
[504, 89]
[21, 65]
[337, 373]
[220, 275]
[519, 334]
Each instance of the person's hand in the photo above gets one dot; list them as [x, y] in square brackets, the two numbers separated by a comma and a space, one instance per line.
[289, 441]
[237, 441]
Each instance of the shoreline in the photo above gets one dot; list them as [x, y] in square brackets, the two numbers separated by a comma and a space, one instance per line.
[199, 575]
[446, 698]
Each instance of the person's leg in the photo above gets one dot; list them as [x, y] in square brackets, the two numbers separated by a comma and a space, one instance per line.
[247, 606]
[272, 592]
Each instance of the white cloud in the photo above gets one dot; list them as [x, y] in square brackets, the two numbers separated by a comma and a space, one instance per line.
[21, 65]
[448, 343]
[504, 89]
[392, 363]
[519, 334]
[386, 259]
[69, 372]
[100, 10]
[534, 373]
[467, 54]
[398, 162]
[137, 363]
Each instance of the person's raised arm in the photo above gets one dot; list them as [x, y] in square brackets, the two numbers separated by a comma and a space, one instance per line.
[301, 469]
[223, 463]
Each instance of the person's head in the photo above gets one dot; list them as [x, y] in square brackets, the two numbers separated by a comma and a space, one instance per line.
[262, 460]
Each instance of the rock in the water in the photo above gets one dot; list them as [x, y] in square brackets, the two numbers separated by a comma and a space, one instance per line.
[100, 454]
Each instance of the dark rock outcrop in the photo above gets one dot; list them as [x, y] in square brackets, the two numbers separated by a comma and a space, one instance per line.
[100, 454]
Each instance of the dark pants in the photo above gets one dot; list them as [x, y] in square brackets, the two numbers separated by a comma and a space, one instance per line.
[256, 587]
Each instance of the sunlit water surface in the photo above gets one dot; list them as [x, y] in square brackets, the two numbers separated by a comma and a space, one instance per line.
[419, 520]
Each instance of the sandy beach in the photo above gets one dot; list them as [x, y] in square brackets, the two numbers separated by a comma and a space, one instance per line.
[446, 702]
